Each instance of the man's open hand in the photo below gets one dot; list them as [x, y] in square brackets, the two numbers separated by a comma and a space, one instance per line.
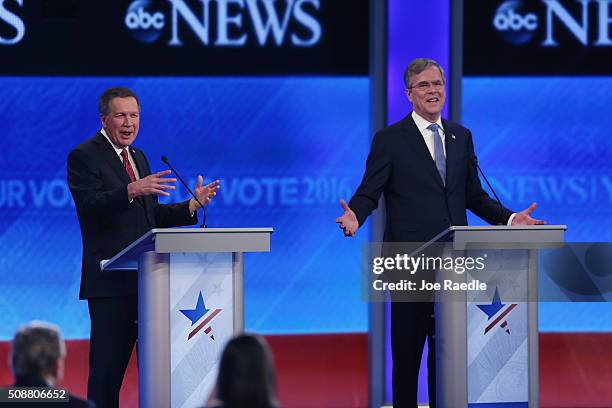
[204, 193]
[348, 221]
[154, 183]
[524, 217]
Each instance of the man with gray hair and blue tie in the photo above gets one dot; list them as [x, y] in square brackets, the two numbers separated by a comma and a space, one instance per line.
[426, 168]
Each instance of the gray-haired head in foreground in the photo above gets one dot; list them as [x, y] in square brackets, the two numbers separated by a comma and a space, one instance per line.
[36, 348]
[112, 93]
[417, 66]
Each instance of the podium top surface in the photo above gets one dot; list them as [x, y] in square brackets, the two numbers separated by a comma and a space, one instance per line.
[527, 235]
[169, 240]
[507, 228]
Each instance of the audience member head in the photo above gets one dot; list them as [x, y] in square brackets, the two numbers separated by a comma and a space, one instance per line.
[246, 374]
[38, 351]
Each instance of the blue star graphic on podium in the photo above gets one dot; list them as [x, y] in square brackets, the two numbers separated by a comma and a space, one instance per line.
[495, 306]
[196, 314]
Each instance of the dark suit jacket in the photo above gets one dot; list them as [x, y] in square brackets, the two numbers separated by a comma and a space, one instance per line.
[418, 205]
[73, 402]
[109, 222]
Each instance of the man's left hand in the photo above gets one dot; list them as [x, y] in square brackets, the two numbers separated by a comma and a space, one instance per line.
[524, 217]
[204, 193]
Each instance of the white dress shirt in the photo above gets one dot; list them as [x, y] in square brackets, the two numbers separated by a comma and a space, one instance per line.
[428, 134]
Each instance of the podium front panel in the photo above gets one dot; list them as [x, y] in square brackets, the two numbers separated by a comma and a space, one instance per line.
[486, 355]
[190, 306]
[201, 322]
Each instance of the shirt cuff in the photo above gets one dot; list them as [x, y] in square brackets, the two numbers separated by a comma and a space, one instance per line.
[511, 218]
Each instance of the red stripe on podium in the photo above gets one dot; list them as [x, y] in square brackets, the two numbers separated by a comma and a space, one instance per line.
[208, 319]
[501, 316]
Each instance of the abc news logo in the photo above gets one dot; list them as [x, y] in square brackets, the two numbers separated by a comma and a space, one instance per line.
[271, 21]
[513, 21]
[518, 24]
[146, 26]
[16, 26]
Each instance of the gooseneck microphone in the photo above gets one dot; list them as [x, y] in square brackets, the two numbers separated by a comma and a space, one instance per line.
[501, 206]
[165, 160]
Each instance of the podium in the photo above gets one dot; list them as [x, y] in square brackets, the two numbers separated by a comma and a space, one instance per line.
[486, 349]
[190, 303]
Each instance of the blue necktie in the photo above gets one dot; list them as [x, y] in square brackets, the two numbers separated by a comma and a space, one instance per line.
[438, 151]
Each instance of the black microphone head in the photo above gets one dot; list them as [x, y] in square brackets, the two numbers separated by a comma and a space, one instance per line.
[164, 159]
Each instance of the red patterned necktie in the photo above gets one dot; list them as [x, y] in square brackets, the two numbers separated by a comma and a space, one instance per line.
[127, 165]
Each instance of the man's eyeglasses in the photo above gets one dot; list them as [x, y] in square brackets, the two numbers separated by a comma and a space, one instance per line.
[426, 86]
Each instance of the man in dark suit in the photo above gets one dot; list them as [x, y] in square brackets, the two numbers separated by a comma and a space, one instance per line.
[37, 357]
[425, 166]
[115, 195]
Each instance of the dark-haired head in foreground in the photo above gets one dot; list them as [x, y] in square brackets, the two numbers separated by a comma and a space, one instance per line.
[246, 374]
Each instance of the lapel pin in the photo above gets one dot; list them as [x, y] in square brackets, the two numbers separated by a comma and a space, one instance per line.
[453, 136]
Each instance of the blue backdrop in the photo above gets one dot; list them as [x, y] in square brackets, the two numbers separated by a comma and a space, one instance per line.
[286, 150]
[547, 139]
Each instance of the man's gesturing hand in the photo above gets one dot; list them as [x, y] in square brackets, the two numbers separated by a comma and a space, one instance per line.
[154, 183]
[524, 217]
[348, 221]
[204, 193]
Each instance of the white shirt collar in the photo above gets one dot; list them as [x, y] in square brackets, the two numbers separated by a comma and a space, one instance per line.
[117, 149]
[423, 123]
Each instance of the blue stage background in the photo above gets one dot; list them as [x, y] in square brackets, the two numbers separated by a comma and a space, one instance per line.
[547, 139]
[286, 149]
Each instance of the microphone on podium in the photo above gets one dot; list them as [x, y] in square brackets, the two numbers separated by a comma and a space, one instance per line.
[165, 160]
[475, 162]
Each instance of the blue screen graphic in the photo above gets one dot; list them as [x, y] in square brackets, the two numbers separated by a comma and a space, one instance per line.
[547, 139]
[286, 149]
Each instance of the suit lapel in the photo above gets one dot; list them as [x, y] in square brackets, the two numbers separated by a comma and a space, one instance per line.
[143, 171]
[141, 165]
[452, 152]
[112, 158]
[420, 149]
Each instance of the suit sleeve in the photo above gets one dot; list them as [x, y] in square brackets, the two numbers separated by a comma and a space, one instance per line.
[86, 186]
[174, 215]
[377, 173]
[477, 200]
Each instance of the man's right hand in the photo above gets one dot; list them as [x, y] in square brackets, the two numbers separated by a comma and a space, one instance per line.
[348, 221]
[154, 183]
